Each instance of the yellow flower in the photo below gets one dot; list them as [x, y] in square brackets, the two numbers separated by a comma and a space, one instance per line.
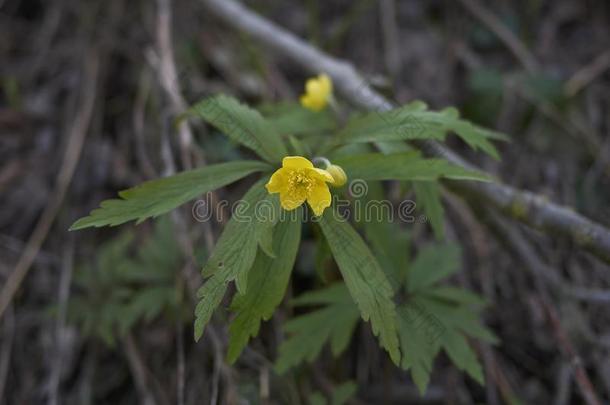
[318, 91]
[298, 181]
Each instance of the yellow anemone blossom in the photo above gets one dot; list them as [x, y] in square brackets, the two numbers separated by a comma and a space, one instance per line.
[318, 91]
[298, 181]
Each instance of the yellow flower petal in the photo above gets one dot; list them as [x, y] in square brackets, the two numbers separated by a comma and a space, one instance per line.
[322, 174]
[320, 198]
[296, 162]
[276, 182]
[290, 201]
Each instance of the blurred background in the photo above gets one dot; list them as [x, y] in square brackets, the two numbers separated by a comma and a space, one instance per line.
[87, 101]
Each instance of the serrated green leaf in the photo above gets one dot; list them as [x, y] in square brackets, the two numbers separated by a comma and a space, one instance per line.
[334, 322]
[462, 355]
[236, 247]
[399, 124]
[418, 347]
[433, 263]
[428, 196]
[404, 166]
[120, 289]
[234, 253]
[462, 318]
[267, 282]
[156, 197]
[210, 294]
[365, 280]
[449, 324]
[439, 316]
[242, 124]
[414, 121]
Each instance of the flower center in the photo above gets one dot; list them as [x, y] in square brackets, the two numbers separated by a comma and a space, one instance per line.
[300, 184]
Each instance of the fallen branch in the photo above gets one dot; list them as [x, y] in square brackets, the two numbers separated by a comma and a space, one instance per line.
[526, 207]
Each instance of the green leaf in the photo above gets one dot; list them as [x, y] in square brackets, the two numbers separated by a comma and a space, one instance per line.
[399, 124]
[267, 282]
[364, 278]
[462, 355]
[234, 253]
[439, 317]
[414, 121]
[418, 346]
[457, 296]
[119, 288]
[432, 264]
[292, 118]
[156, 197]
[242, 124]
[316, 398]
[431, 324]
[335, 323]
[389, 242]
[297, 147]
[459, 317]
[342, 393]
[404, 166]
[428, 195]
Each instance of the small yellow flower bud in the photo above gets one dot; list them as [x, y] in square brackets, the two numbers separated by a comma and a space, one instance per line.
[339, 176]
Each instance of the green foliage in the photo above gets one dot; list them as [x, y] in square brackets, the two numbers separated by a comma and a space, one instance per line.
[432, 264]
[364, 278]
[121, 289]
[334, 323]
[438, 318]
[388, 241]
[242, 124]
[340, 395]
[428, 195]
[267, 282]
[415, 121]
[156, 197]
[292, 118]
[258, 247]
[404, 166]
[235, 252]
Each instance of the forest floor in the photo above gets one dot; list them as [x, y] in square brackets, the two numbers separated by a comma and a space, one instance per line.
[86, 109]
